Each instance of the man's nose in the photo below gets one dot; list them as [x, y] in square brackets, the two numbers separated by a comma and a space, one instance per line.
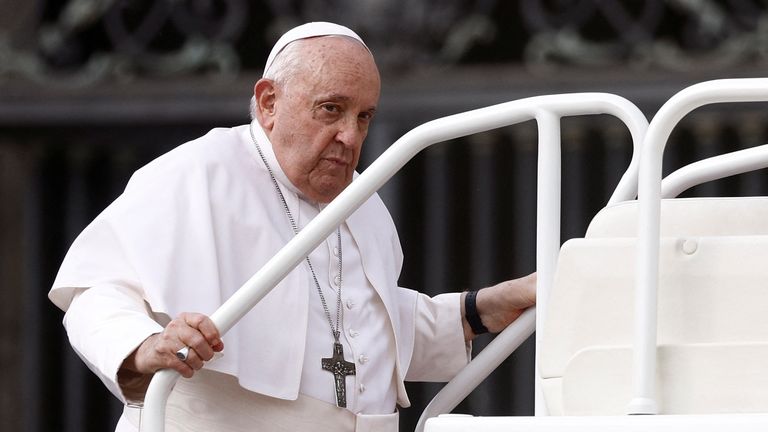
[351, 133]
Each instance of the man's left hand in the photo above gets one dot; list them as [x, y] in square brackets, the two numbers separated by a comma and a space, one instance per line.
[501, 304]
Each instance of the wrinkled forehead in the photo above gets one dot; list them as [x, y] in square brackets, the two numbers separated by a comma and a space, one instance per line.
[334, 65]
[307, 31]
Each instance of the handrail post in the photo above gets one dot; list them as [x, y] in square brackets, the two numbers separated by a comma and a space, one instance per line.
[648, 241]
[547, 228]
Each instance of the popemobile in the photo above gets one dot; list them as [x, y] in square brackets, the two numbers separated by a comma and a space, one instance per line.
[654, 321]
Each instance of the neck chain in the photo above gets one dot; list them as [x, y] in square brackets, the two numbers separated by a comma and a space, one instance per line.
[334, 327]
[336, 364]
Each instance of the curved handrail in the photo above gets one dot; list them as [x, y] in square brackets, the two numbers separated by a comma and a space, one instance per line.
[548, 245]
[714, 168]
[475, 372]
[379, 172]
[649, 197]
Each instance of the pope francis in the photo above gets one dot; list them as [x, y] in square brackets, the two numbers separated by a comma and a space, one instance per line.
[330, 347]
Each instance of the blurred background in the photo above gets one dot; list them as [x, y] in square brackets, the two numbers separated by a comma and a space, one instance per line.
[90, 90]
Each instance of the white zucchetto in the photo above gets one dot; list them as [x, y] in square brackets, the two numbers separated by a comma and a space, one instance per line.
[309, 30]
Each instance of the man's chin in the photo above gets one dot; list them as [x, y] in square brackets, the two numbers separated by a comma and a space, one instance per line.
[326, 193]
[323, 188]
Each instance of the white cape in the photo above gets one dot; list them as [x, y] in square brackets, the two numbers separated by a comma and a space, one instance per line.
[189, 230]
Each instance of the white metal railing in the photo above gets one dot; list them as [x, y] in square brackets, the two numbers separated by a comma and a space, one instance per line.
[713, 168]
[649, 197]
[547, 248]
[651, 189]
[480, 367]
[547, 110]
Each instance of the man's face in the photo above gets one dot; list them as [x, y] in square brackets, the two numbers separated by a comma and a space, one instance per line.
[321, 116]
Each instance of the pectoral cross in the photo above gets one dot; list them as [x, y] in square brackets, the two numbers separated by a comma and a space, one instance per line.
[340, 368]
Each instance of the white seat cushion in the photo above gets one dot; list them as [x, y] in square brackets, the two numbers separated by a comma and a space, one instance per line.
[713, 291]
[687, 217]
[692, 379]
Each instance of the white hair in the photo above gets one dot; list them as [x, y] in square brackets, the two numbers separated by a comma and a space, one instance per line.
[286, 65]
[282, 69]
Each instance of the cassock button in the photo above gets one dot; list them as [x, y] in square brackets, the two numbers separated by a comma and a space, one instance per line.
[363, 359]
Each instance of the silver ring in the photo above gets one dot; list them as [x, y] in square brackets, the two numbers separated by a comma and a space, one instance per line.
[183, 353]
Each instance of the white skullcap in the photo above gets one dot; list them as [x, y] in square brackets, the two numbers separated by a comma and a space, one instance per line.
[308, 30]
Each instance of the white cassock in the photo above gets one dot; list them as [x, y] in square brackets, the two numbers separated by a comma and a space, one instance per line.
[192, 227]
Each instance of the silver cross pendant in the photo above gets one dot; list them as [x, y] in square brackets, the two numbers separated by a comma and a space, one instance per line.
[340, 368]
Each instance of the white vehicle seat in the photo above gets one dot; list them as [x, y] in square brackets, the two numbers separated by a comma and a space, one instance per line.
[712, 311]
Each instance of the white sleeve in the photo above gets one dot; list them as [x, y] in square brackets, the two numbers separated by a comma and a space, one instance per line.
[439, 350]
[105, 325]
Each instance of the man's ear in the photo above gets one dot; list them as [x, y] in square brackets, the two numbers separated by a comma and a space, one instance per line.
[264, 92]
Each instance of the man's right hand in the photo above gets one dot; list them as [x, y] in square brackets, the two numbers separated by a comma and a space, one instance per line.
[158, 351]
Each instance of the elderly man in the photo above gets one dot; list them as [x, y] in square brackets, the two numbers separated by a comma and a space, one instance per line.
[330, 346]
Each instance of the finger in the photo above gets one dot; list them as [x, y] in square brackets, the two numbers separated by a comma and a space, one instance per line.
[530, 289]
[193, 360]
[184, 328]
[183, 353]
[196, 342]
[209, 331]
[160, 352]
[182, 368]
[172, 361]
[175, 338]
[531, 282]
[205, 326]
[521, 293]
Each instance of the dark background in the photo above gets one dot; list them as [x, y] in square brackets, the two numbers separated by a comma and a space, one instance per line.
[90, 91]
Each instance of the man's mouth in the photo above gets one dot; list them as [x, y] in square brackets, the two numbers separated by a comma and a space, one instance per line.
[336, 161]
